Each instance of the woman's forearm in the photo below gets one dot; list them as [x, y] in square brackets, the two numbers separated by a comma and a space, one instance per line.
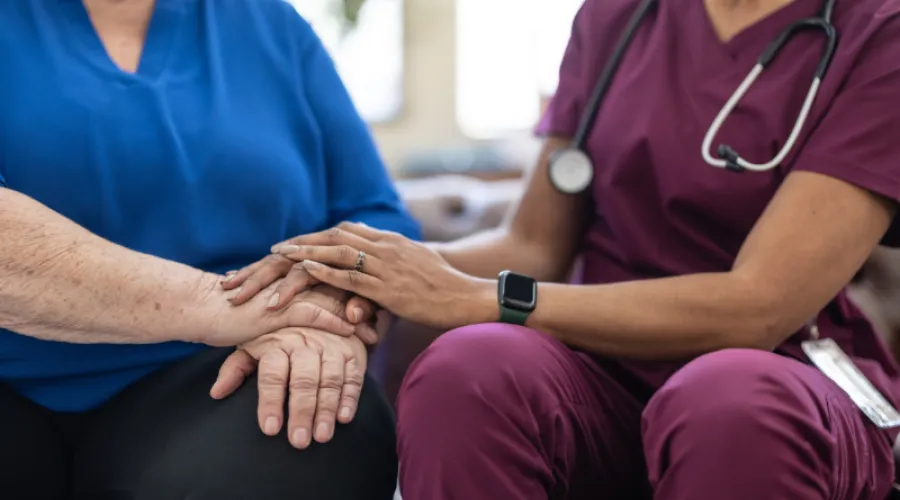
[660, 319]
[60, 282]
[487, 253]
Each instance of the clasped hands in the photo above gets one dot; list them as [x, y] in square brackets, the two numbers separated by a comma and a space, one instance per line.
[324, 287]
[311, 351]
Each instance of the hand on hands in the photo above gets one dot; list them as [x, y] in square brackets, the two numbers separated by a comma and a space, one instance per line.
[278, 280]
[320, 374]
[403, 276]
[313, 309]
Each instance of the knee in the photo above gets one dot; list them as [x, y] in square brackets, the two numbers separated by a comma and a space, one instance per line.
[486, 359]
[736, 389]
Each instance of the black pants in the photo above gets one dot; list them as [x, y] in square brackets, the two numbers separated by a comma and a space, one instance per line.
[164, 438]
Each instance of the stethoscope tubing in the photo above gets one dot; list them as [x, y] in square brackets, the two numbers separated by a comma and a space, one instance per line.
[728, 158]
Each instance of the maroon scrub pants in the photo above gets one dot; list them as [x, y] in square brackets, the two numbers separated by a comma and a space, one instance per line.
[500, 412]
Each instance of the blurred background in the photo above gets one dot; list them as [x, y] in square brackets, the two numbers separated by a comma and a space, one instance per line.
[452, 90]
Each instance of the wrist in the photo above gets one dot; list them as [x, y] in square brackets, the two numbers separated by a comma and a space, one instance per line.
[220, 323]
[207, 311]
[482, 305]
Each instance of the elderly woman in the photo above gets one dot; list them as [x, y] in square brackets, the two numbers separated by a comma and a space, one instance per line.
[147, 148]
[678, 369]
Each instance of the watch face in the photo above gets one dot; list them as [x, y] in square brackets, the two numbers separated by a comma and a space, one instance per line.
[519, 292]
[571, 171]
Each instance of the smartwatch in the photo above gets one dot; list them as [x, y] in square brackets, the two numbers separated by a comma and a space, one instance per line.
[517, 295]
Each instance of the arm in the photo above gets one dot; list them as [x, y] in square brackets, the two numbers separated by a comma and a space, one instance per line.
[798, 257]
[60, 282]
[540, 238]
[359, 188]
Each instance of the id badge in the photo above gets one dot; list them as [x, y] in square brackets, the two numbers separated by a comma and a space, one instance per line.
[836, 365]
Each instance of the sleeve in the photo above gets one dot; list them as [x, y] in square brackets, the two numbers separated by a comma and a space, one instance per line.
[858, 139]
[359, 187]
[577, 73]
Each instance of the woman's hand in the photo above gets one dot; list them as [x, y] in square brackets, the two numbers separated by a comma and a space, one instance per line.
[336, 301]
[401, 275]
[321, 374]
[316, 309]
[291, 278]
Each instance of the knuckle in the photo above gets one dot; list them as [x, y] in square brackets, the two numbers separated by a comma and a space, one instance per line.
[331, 382]
[275, 260]
[392, 237]
[304, 382]
[338, 308]
[345, 225]
[354, 379]
[354, 277]
[346, 253]
[270, 379]
[315, 314]
[333, 234]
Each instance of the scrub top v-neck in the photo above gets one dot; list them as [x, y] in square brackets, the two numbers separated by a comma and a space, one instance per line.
[234, 133]
[659, 209]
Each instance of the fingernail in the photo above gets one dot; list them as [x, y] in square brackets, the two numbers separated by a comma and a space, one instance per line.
[288, 249]
[345, 413]
[273, 300]
[271, 427]
[323, 432]
[311, 265]
[300, 437]
[355, 314]
[228, 277]
[234, 293]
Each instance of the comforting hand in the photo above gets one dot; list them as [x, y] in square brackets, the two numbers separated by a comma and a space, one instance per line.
[290, 278]
[320, 374]
[235, 325]
[401, 275]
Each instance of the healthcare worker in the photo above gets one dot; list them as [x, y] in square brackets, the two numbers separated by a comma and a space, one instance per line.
[709, 351]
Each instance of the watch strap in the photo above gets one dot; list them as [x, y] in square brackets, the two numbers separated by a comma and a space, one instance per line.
[513, 316]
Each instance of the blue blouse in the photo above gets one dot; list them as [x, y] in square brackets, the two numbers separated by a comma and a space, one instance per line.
[234, 133]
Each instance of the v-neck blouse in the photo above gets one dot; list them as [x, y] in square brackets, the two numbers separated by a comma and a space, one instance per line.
[659, 209]
[163, 36]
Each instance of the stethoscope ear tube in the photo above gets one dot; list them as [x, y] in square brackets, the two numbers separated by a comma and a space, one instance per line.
[609, 70]
[813, 23]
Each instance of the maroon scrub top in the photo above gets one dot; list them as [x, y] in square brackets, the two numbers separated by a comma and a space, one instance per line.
[659, 209]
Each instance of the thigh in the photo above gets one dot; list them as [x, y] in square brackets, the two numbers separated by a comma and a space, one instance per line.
[34, 458]
[732, 422]
[501, 411]
[166, 439]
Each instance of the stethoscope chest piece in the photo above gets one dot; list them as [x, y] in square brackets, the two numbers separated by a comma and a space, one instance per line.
[571, 170]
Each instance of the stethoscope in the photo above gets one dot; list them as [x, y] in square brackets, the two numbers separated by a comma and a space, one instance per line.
[571, 169]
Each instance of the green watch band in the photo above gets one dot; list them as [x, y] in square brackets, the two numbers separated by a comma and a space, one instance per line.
[513, 316]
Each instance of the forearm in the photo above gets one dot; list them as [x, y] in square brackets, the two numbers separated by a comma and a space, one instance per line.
[670, 318]
[60, 282]
[487, 253]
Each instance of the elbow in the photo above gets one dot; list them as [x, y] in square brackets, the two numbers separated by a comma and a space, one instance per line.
[762, 319]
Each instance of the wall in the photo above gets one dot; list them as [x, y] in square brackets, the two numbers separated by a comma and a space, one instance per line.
[428, 118]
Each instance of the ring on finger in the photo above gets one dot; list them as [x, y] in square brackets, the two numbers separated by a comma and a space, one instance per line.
[360, 261]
